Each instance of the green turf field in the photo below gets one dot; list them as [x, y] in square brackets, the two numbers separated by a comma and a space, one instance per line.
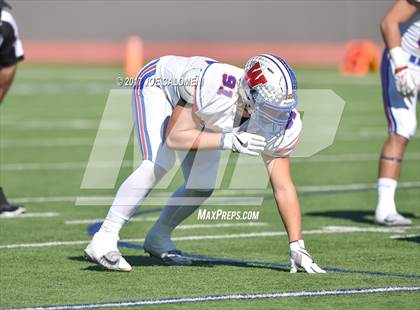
[49, 121]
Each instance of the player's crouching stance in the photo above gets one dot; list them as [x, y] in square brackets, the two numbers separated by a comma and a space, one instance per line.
[198, 120]
[400, 73]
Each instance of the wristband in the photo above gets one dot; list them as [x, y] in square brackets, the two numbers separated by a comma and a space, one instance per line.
[295, 245]
[222, 141]
[226, 141]
[398, 57]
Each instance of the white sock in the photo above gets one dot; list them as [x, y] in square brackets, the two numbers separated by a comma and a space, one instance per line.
[131, 194]
[386, 194]
[109, 227]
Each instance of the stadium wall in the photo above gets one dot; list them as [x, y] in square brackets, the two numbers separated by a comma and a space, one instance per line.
[306, 54]
[307, 32]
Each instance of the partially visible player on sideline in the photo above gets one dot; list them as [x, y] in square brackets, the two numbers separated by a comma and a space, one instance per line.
[11, 52]
[198, 120]
[400, 73]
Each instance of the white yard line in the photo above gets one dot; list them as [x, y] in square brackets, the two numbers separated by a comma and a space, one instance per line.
[213, 298]
[35, 214]
[52, 142]
[351, 157]
[221, 225]
[93, 221]
[48, 199]
[74, 141]
[311, 188]
[180, 227]
[325, 230]
[380, 229]
[404, 236]
[74, 165]
[76, 124]
[368, 133]
[346, 187]
[42, 244]
[185, 201]
[344, 135]
[150, 201]
[63, 165]
[161, 197]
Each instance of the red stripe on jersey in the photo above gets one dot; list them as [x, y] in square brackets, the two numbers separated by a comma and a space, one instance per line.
[141, 126]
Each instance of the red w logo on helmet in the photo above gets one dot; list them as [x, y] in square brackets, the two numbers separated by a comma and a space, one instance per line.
[254, 76]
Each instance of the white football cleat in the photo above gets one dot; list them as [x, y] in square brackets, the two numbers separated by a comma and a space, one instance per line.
[160, 245]
[393, 219]
[300, 258]
[103, 250]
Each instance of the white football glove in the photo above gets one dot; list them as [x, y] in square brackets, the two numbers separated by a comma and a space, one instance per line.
[300, 258]
[404, 80]
[243, 142]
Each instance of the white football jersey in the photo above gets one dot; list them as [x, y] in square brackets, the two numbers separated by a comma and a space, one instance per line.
[410, 35]
[214, 96]
[170, 71]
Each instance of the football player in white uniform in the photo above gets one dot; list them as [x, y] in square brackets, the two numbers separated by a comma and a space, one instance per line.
[194, 106]
[400, 73]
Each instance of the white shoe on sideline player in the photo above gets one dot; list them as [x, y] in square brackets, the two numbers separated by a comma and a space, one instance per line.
[103, 250]
[7, 210]
[300, 258]
[393, 219]
[161, 246]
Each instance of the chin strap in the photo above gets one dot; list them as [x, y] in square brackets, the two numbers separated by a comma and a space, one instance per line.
[393, 159]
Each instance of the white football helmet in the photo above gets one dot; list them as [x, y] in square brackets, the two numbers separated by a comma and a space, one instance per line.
[268, 91]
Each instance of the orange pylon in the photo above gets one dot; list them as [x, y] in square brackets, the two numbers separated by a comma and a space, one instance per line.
[134, 56]
[360, 57]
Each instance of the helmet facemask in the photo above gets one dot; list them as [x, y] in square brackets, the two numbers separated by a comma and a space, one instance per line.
[245, 98]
